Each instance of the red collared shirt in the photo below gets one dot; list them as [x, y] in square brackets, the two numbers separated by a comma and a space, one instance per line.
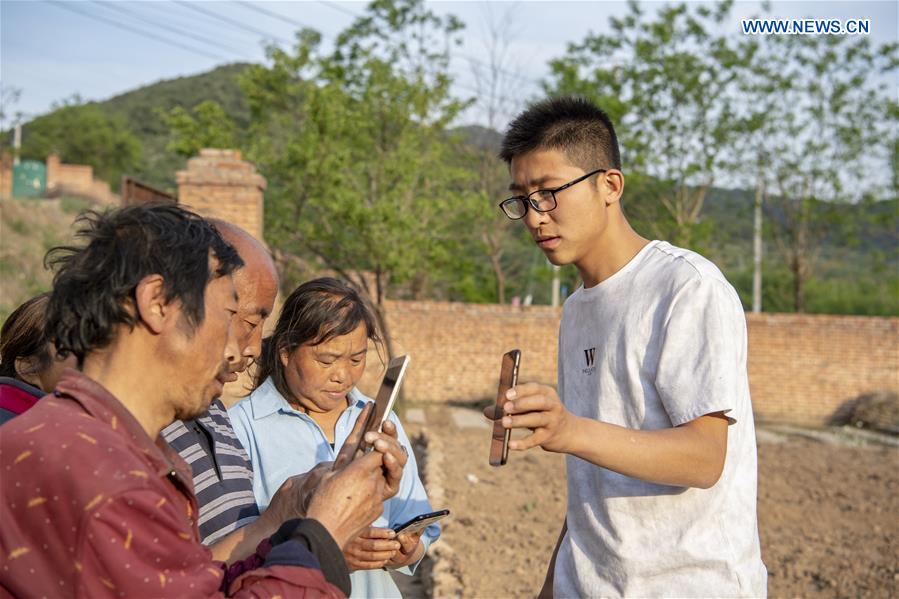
[92, 507]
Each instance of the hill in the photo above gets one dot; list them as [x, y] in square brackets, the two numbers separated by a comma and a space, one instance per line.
[481, 137]
[140, 111]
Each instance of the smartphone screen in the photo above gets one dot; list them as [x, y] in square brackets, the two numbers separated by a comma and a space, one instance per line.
[508, 378]
[387, 394]
[422, 521]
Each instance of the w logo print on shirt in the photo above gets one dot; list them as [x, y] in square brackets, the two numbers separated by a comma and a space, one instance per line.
[589, 357]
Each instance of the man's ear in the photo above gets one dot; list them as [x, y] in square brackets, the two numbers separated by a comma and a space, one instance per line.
[151, 308]
[612, 186]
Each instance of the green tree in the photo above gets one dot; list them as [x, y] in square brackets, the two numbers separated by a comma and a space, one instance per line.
[893, 145]
[826, 128]
[207, 126]
[355, 146]
[668, 82]
[83, 134]
[500, 251]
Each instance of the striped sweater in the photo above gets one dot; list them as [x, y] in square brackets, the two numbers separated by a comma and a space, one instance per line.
[222, 473]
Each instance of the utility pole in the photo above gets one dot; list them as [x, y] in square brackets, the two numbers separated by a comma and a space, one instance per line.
[17, 141]
[757, 242]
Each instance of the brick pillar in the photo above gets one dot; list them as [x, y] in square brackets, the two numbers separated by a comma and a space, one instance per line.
[53, 163]
[217, 183]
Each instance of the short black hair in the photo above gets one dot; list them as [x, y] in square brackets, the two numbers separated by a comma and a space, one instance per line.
[571, 124]
[317, 311]
[95, 282]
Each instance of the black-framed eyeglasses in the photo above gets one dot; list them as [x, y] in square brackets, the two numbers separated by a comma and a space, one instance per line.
[542, 200]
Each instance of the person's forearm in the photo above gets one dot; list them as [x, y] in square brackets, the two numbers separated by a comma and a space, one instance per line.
[243, 542]
[691, 455]
[547, 591]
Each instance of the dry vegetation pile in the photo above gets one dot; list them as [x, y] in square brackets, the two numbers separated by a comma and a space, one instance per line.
[878, 411]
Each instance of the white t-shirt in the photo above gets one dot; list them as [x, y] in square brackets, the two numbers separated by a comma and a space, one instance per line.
[658, 344]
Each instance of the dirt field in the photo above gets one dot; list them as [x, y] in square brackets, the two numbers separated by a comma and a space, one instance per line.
[827, 513]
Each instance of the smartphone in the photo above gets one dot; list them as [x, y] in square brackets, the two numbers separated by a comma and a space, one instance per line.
[508, 378]
[422, 521]
[386, 397]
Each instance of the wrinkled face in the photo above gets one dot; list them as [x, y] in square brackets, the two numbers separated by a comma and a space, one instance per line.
[199, 357]
[257, 286]
[568, 233]
[320, 376]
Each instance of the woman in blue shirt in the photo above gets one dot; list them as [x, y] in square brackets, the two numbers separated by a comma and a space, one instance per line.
[302, 410]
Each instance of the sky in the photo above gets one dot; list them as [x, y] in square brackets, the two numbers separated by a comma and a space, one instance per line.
[53, 50]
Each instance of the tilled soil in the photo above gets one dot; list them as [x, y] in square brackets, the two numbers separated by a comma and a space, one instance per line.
[829, 519]
[827, 514]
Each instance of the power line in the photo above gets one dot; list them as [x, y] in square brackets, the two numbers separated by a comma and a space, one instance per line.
[196, 37]
[232, 22]
[147, 34]
[170, 27]
[337, 7]
[468, 57]
[271, 14]
[187, 18]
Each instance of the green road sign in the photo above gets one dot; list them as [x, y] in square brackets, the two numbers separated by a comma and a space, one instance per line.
[29, 179]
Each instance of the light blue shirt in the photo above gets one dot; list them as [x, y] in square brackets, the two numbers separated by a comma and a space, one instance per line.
[282, 442]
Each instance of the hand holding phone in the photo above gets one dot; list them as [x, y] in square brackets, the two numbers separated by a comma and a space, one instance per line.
[371, 550]
[386, 397]
[394, 456]
[508, 378]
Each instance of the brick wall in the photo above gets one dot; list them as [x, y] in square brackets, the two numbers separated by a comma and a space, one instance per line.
[456, 348]
[217, 183]
[79, 176]
[802, 368]
[76, 179]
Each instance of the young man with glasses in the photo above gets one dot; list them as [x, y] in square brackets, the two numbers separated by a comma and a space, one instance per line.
[653, 407]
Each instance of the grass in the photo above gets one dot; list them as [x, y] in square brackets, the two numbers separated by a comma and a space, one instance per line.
[18, 225]
[74, 205]
[28, 228]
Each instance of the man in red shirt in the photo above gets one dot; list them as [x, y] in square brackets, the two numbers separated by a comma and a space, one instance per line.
[94, 502]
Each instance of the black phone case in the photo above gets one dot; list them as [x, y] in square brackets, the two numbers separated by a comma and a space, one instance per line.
[422, 521]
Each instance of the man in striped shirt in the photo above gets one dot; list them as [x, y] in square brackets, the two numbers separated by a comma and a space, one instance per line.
[230, 523]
